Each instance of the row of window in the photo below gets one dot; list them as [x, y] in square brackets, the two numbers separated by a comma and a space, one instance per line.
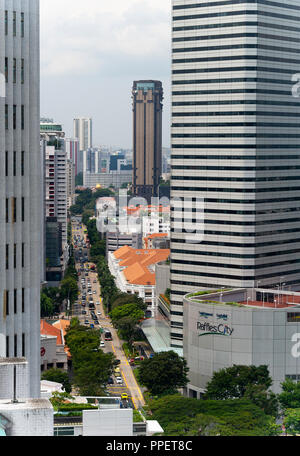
[196, 285]
[231, 277]
[234, 168]
[235, 179]
[12, 202]
[222, 211]
[15, 352]
[18, 159]
[17, 18]
[200, 218]
[232, 255]
[234, 135]
[218, 25]
[235, 234]
[232, 266]
[235, 2]
[234, 13]
[237, 190]
[231, 81]
[235, 157]
[235, 244]
[15, 256]
[253, 202]
[276, 69]
[236, 57]
[16, 111]
[256, 148]
[15, 71]
[234, 35]
[235, 102]
[6, 302]
[236, 124]
[230, 47]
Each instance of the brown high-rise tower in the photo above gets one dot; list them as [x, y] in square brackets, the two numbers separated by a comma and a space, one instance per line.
[147, 138]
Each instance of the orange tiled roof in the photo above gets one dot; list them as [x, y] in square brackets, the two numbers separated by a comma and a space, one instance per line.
[49, 330]
[62, 326]
[137, 263]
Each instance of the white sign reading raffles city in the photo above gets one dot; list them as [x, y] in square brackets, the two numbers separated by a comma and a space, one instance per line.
[215, 323]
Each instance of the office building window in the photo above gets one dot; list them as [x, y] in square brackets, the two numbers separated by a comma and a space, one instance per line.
[23, 209]
[14, 117]
[15, 256]
[7, 257]
[22, 163]
[15, 164]
[6, 22]
[6, 117]
[23, 346]
[14, 209]
[15, 302]
[23, 255]
[6, 69]
[7, 346]
[23, 300]
[15, 71]
[15, 23]
[22, 25]
[22, 72]
[7, 210]
[22, 117]
[6, 163]
[16, 346]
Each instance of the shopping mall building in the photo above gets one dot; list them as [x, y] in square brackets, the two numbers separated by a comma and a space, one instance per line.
[243, 327]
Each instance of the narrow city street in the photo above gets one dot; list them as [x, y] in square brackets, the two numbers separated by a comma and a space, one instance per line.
[88, 280]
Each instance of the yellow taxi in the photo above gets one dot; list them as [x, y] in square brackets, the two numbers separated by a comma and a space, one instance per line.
[124, 397]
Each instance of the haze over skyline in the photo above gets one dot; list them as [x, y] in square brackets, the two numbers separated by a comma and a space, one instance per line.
[92, 51]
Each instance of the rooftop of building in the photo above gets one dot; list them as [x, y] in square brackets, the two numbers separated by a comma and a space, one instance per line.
[268, 298]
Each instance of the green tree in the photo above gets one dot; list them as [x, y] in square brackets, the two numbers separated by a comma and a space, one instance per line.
[58, 376]
[181, 416]
[69, 289]
[266, 400]
[127, 310]
[91, 367]
[125, 298]
[232, 382]
[47, 307]
[292, 421]
[164, 373]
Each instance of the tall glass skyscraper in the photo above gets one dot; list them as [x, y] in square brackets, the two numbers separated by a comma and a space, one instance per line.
[21, 192]
[235, 147]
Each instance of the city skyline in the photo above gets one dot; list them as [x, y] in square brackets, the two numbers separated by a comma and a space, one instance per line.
[101, 71]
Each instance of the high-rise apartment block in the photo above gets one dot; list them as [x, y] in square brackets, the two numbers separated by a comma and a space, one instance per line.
[20, 186]
[59, 180]
[147, 138]
[83, 130]
[235, 147]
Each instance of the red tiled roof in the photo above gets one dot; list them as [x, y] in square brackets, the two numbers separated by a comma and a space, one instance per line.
[49, 330]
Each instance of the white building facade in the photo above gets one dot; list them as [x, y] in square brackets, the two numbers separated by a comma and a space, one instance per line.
[21, 205]
[83, 130]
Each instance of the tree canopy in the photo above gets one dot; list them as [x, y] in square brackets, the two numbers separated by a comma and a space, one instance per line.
[58, 376]
[164, 373]
[232, 382]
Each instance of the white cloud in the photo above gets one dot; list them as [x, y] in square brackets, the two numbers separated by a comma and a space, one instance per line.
[84, 37]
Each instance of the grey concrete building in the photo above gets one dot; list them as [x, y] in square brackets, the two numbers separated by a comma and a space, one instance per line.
[235, 147]
[21, 205]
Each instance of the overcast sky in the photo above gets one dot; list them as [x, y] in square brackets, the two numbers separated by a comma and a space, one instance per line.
[92, 51]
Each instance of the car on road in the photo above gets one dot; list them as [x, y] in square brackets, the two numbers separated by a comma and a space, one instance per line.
[117, 362]
[117, 370]
[124, 397]
[96, 322]
[95, 281]
[102, 344]
[119, 380]
[110, 381]
[99, 313]
[132, 362]
[86, 322]
[84, 312]
[94, 292]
